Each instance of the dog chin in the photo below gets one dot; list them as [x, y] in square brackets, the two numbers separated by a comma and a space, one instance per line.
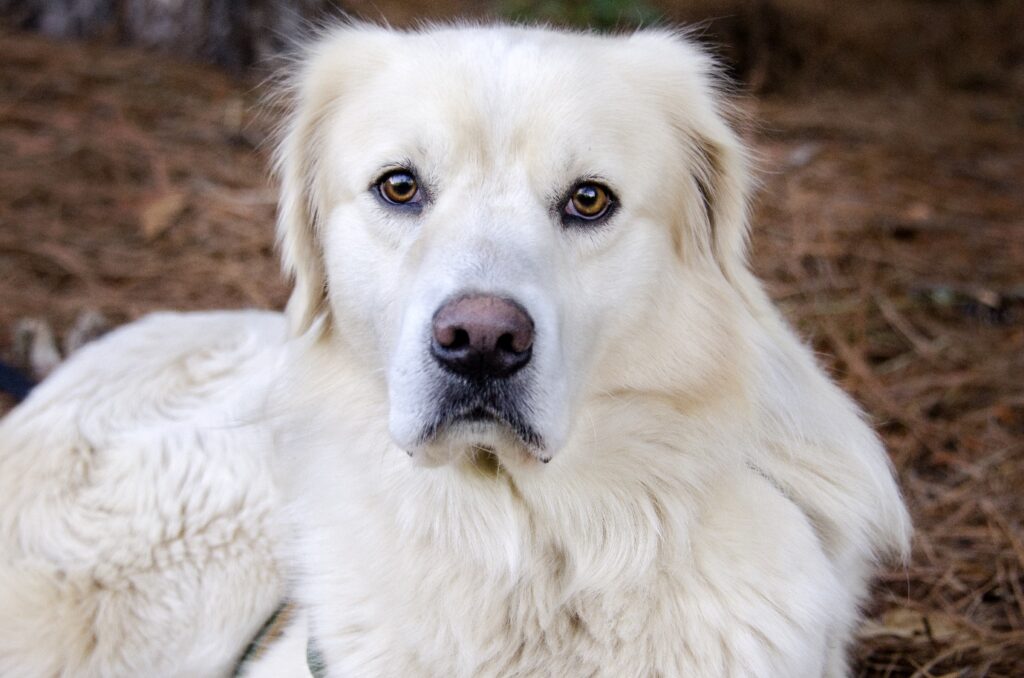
[475, 437]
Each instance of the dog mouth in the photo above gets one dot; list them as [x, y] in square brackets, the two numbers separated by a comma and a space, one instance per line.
[478, 414]
[470, 409]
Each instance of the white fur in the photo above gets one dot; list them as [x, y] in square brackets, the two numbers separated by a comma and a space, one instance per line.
[713, 506]
[136, 503]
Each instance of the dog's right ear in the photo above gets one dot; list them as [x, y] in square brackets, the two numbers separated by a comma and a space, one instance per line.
[297, 228]
[298, 213]
[312, 90]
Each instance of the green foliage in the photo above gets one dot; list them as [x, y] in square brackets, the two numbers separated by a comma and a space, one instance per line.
[601, 14]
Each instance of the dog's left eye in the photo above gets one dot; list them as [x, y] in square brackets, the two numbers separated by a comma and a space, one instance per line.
[399, 187]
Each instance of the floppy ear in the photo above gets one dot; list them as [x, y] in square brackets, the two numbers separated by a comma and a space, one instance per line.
[694, 94]
[313, 89]
[297, 215]
[297, 224]
[723, 179]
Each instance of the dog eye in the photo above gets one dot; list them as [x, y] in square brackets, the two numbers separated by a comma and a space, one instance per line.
[399, 188]
[589, 201]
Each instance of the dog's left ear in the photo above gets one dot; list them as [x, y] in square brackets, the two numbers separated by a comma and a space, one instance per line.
[692, 89]
[722, 175]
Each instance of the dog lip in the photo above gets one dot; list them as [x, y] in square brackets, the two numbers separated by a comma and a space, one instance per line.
[462, 408]
[485, 413]
[477, 414]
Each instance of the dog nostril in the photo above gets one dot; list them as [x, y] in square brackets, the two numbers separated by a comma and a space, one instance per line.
[451, 336]
[459, 340]
[506, 343]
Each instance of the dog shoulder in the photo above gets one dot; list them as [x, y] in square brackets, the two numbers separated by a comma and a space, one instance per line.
[817, 445]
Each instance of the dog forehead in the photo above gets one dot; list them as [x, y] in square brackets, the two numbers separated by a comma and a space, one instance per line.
[474, 92]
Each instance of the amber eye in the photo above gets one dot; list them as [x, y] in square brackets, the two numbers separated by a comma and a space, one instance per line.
[589, 201]
[399, 188]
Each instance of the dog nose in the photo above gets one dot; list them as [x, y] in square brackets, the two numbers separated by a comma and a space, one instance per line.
[482, 336]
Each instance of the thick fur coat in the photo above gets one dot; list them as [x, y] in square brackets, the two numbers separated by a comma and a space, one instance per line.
[137, 505]
[670, 487]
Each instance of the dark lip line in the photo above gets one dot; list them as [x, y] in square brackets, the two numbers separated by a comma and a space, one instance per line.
[481, 413]
[478, 414]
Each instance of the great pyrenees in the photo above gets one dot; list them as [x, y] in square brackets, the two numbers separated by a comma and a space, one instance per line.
[531, 414]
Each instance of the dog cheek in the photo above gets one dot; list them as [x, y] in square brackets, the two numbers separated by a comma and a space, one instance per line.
[635, 321]
[363, 311]
[617, 299]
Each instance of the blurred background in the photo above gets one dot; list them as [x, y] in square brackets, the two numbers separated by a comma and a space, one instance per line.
[889, 226]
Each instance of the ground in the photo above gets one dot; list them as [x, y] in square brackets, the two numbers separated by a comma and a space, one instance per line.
[888, 226]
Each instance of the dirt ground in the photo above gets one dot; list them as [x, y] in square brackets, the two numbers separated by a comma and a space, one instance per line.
[888, 227]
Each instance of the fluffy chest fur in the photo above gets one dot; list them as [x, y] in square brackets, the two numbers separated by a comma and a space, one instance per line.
[663, 554]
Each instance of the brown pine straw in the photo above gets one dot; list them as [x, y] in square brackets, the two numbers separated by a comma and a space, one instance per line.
[888, 228]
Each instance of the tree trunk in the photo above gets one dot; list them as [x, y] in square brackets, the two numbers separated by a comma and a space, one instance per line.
[230, 33]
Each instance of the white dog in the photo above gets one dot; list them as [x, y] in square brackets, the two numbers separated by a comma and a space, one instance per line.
[536, 417]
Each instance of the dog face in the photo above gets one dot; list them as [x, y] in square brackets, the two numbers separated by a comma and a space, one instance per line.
[501, 222]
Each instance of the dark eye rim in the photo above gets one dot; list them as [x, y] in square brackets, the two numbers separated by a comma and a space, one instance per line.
[577, 219]
[415, 202]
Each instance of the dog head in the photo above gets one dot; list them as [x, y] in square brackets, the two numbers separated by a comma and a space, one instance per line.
[503, 222]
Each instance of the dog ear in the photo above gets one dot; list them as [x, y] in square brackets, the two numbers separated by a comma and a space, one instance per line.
[312, 90]
[695, 96]
[298, 214]
[723, 180]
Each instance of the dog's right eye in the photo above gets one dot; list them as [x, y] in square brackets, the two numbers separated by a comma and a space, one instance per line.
[588, 201]
[399, 188]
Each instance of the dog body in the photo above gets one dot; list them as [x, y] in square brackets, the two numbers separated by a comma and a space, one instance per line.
[536, 416]
[137, 509]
